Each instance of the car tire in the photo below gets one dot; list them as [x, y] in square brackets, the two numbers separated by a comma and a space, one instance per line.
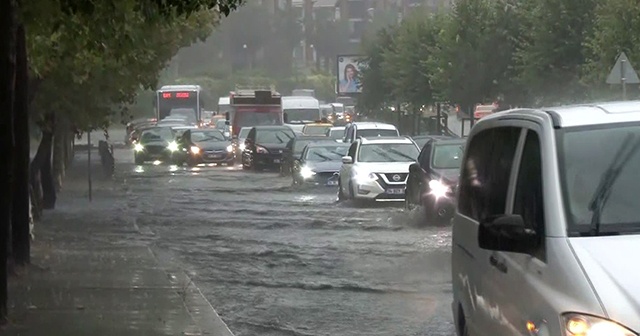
[463, 330]
[138, 159]
[191, 162]
[352, 195]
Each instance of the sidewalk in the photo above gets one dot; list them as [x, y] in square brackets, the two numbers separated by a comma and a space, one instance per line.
[93, 273]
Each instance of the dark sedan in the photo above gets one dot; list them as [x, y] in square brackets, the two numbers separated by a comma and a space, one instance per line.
[433, 179]
[264, 147]
[319, 164]
[293, 150]
[206, 146]
[155, 143]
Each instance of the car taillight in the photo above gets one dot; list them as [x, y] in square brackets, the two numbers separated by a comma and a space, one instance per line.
[261, 150]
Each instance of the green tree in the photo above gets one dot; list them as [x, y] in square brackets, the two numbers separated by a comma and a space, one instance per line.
[377, 89]
[551, 51]
[475, 52]
[617, 27]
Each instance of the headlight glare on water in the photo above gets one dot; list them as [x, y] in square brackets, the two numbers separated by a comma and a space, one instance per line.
[172, 146]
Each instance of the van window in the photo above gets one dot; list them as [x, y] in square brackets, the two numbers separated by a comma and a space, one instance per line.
[528, 201]
[486, 171]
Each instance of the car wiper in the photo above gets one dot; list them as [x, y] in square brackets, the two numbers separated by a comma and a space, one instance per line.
[601, 195]
[324, 157]
[395, 151]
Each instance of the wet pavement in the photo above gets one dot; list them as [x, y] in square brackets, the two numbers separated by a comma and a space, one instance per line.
[91, 274]
[274, 260]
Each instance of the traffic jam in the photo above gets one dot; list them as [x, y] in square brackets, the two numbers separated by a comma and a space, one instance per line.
[524, 243]
[314, 145]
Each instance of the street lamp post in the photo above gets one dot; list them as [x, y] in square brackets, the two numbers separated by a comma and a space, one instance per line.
[247, 56]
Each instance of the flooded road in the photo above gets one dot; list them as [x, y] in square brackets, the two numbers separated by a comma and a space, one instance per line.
[274, 260]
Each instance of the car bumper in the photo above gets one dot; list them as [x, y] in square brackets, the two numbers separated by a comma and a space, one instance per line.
[271, 160]
[376, 190]
[214, 157]
[156, 155]
[326, 179]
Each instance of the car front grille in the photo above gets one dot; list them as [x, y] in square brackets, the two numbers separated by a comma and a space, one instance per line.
[155, 149]
[399, 177]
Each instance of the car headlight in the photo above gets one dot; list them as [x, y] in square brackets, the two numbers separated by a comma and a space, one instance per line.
[586, 325]
[242, 146]
[172, 146]
[195, 149]
[138, 147]
[230, 148]
[438, 189]
[306, 172]
[365, 176]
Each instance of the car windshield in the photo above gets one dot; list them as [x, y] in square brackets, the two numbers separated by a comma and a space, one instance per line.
[447, 156]
[326, 153]
[375, 132]
[300, 144]
[221, 124]
[278, 136]
[186, 114]
[316, 130]
[157, 134]
[388, 152]
[311, 114]
[581, 175]
[336, 133]
[207, 136]
[249, 118]
[421, 142]
[244, 132]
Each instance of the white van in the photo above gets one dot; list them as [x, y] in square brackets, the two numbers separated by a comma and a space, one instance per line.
[547, 228]
[300, 110]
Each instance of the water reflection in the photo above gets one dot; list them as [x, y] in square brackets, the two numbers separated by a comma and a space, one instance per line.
[139, 169]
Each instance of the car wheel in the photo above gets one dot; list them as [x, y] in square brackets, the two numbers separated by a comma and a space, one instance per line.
[191, 162]
[352, 194]
[138, 159]
[463, 330]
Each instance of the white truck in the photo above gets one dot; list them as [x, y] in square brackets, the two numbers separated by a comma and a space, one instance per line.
[300, 110]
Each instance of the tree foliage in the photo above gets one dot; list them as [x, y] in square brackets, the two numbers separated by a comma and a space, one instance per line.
[90, 58]
[524, 52]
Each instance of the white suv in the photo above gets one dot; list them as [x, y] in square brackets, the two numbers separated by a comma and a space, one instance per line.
[377, 168]
[547, 228]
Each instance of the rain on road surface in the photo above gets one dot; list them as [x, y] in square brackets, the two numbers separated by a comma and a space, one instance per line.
[278, 261]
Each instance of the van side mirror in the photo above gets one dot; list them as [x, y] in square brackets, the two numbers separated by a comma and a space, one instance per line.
[226, 116]
[506, 233]
[347, 160]
[285, 117]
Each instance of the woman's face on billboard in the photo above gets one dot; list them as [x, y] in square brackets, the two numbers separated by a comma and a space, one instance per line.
[349, 73]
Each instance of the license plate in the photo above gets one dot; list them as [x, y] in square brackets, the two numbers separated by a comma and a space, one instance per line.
[214, 156]
[276, 161]
[395, 191]
[332, 183]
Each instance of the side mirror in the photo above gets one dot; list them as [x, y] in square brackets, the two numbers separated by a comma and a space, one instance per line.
[226, 134]
[285, 117]
[226, 116]
[506, 233]
[415, 168]
[347, 160]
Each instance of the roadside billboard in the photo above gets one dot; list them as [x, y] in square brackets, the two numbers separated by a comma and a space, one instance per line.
[348, 70]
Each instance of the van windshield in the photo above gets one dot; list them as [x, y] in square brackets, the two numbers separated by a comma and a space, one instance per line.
[584, 155]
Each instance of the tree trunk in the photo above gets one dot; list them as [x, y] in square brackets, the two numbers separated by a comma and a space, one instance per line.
[58, 162]
[7, 85]
[44, 167]
[20, 209]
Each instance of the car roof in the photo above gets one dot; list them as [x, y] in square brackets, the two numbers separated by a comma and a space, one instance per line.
[278, 127]
[337, 128]
[580, 114]
[157, 127]
[383, 140]
[314, 137]
[450, 141]
[373, 125]
[324, 143]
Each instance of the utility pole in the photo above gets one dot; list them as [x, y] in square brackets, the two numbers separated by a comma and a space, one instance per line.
[308, 30]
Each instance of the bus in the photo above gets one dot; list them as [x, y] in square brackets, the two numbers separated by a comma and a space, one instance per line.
[254, 107]
[180, 100]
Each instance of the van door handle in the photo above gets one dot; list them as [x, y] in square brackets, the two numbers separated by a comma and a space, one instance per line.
[501, 266]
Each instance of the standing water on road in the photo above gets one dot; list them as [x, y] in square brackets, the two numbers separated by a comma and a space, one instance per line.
[279, 261]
